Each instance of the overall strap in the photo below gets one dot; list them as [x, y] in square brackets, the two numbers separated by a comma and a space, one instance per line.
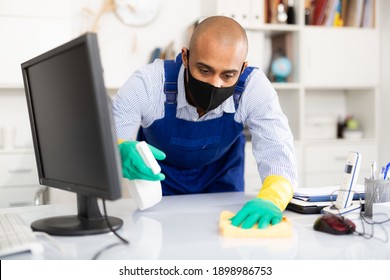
[172, 68]
[240, 87]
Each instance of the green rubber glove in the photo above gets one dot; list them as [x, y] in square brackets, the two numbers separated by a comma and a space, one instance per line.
[133, 167]
[259, 211]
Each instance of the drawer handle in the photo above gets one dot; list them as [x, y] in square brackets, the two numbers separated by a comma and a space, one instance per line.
[20, 170]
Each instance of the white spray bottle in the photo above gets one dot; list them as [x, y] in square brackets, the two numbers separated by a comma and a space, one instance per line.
[146, 193]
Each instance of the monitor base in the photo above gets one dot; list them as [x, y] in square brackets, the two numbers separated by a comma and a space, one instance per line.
[73, 225]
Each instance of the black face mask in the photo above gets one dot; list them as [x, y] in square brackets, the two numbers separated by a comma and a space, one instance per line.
[206, 96]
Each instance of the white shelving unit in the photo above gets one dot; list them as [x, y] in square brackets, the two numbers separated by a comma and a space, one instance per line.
[335, 74]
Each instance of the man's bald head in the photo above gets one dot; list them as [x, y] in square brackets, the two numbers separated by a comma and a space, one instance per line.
[216, 56]
[222, 34]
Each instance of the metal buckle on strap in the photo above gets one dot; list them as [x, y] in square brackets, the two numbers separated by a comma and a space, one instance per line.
[170, 87]
[170, 90]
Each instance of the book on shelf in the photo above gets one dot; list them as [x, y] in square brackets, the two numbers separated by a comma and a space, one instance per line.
[338, 19]
[354, 13]
[368, 14]
[337, 13]
[318, 10]
[360, 13]
[330, 13]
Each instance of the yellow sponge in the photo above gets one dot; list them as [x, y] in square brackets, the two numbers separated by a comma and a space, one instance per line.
[226, 229]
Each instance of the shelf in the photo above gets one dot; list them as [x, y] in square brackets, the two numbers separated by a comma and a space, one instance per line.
[270, 28]
[335, 73]
[341, 29]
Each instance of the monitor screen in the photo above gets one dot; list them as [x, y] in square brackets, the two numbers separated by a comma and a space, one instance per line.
[72, 131]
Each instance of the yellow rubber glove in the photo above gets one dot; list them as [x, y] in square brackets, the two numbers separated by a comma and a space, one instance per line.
[278, 190]
[267, 207]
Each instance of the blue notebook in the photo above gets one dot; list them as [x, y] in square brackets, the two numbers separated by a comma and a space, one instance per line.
[313, 200]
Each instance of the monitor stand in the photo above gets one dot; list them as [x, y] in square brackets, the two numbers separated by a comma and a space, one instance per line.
[88, 221]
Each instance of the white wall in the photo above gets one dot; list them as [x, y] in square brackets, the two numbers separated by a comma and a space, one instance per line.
[28, 28]
[384, 107]
[125, 48]
[31, 27]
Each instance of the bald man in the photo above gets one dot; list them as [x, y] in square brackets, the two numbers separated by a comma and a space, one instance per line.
[192, 112]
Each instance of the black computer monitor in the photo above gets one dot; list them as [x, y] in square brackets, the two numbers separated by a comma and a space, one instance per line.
[72, 130]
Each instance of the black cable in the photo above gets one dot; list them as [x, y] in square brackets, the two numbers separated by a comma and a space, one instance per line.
[109, 225]
[363, 220]
[124, 241]
[97, 255]
[372, 223]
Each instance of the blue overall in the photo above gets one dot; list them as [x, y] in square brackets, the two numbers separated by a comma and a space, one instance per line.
[201, 157]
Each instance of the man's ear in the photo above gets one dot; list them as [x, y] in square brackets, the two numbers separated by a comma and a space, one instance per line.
[244, 65]
[184, 56]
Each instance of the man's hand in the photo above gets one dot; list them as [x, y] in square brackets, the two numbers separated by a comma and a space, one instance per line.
[259, 211]
[133, 167]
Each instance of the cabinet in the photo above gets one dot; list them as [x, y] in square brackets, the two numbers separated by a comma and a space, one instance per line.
[335, 74]
[18, 168]
[19, 184]
[17, 158]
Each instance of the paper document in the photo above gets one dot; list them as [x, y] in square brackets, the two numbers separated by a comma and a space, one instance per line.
[326, 193]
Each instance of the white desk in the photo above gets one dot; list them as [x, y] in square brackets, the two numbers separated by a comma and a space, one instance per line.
[186, 228]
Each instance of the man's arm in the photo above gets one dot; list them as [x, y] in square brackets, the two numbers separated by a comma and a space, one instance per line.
[272, 143]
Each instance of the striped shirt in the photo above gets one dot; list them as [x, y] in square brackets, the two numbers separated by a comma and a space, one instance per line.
[140, 102]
